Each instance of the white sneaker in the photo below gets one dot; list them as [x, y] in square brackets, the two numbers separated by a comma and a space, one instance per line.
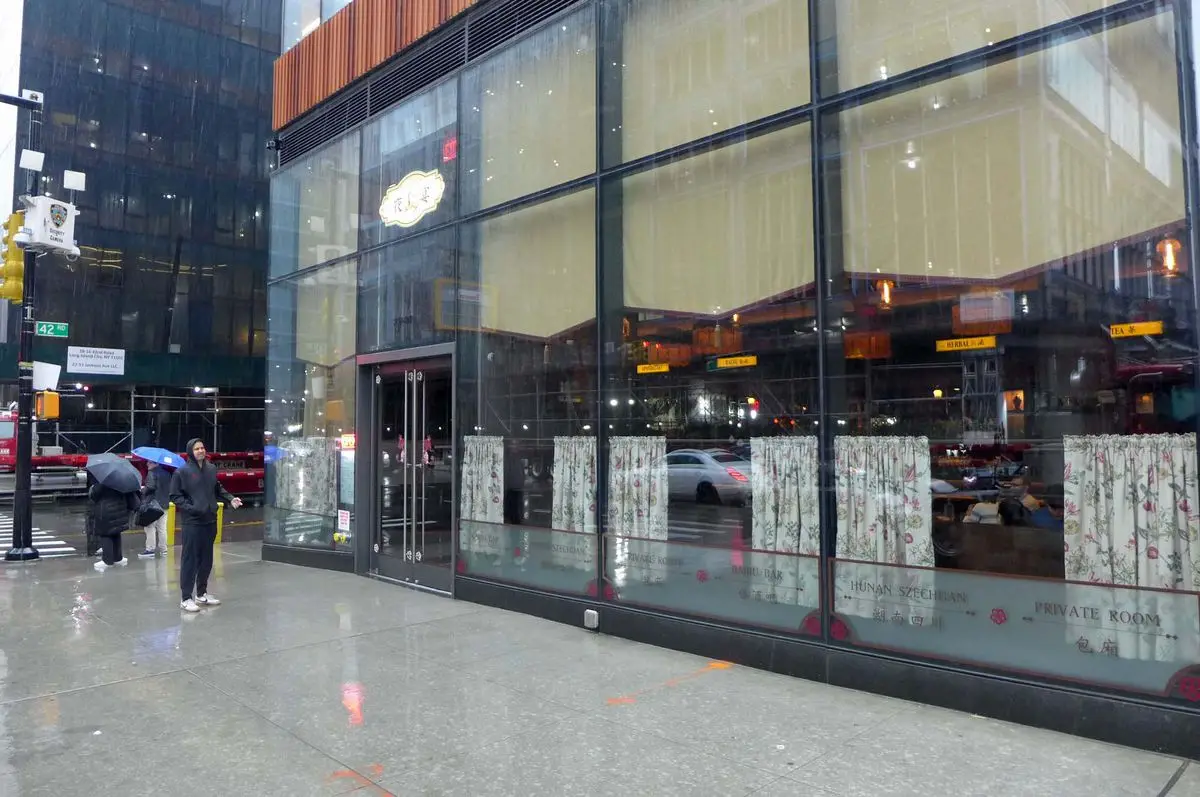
[208, 600]
[189, 605]
[100, 566]
[124, 561]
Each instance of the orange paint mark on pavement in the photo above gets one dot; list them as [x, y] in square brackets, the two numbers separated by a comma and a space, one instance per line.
[364, 784]
[632, 697]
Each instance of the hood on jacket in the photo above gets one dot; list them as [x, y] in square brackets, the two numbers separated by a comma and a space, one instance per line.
[190, 445]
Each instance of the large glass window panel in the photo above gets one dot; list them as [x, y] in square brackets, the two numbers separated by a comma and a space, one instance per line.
[530, 114]
[300, 18]
[408, 295]
[310, 406]
[723, 231]
[1013, 368]
[691, 68]
[527, 396]
[879, 39]
[712, 458]
[410, 160]
[314, 208]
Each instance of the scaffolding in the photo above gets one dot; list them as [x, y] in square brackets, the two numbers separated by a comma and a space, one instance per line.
[155, 418]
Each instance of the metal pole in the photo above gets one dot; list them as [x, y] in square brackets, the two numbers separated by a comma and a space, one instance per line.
[22, 541]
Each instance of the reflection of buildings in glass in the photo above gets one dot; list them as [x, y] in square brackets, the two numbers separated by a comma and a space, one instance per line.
[1002, 310]
[1012, 195]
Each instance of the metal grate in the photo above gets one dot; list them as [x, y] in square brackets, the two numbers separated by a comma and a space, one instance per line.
[501, 22]
[428, 63]
[349, 110]
[485, 27]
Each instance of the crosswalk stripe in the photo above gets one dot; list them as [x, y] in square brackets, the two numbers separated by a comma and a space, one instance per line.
[47, 542]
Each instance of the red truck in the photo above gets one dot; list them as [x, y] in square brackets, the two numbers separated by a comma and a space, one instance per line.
[241, 472]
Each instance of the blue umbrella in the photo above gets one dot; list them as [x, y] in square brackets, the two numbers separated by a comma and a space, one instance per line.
[160, 456]
[273, 453]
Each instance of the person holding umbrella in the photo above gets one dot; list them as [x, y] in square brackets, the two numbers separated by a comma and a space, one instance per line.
[196, 491]
[113, 497]
[160, 465]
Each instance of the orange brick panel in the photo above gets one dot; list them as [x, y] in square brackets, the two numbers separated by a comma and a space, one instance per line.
[286, 86]
[308, 86]
[338, 39]
[418, 17]
[354, 41]
[376, 35]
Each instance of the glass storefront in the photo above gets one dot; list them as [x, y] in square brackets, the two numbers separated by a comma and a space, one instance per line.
[890, 345]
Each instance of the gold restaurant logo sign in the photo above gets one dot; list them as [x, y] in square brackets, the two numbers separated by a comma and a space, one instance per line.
[413, 198]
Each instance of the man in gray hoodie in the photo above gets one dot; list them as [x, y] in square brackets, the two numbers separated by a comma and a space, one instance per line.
[195, 492]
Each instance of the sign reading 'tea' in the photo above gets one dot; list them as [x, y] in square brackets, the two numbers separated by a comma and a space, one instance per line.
[413, 198]
[1135, 329]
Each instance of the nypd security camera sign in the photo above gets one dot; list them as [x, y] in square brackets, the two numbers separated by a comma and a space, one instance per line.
[50, 224]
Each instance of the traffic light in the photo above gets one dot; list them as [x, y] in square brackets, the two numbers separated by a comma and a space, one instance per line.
[13, 269]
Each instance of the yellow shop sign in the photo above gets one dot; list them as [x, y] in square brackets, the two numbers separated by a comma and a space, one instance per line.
[745, 361]
[967, 344]
[1136, 329]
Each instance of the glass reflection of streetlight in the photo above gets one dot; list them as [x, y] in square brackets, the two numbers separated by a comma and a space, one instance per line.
[885, 294]
[1168, 250]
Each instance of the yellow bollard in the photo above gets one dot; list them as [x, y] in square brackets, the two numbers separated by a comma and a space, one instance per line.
[171, 522]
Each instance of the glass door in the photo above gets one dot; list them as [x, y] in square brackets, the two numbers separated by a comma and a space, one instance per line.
[413, 539]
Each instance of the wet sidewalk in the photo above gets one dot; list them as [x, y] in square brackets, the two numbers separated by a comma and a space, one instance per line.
[313, 683]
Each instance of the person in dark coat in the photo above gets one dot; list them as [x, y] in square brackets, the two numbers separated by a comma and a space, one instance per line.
[89, 520]
[110, 519]
[158, 487]
[196, 492]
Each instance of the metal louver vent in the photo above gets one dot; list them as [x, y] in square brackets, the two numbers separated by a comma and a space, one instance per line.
[484, 28]
[500, 22]
[426, 64]
[349, 110]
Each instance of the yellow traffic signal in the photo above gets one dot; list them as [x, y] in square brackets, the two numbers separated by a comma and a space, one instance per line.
[46, 405]
[13, 269]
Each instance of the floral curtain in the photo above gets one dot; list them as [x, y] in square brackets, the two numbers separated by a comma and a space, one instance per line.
[1131, 518]
[574, 503]
[306, 476]
[481, 494]
[784, 489]
[574, 473]
[883, 497]
[637, 504]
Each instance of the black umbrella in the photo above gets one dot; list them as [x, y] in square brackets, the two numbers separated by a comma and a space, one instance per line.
[114, 473]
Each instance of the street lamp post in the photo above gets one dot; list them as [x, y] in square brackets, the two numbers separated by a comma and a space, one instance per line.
[22, 536]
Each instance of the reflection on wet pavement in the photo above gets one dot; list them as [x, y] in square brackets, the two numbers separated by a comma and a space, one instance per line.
[307, 682]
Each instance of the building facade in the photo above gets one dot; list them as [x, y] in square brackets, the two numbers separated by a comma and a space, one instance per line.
[166, 107]
[852, 340]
